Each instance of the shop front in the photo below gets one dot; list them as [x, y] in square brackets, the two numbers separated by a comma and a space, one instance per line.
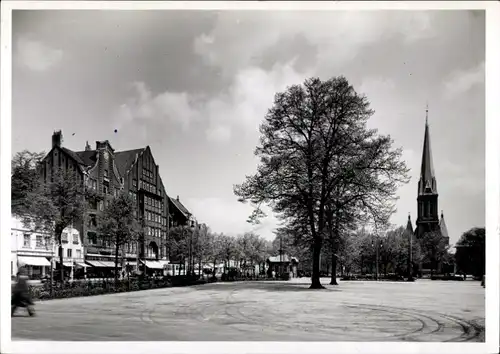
[37, 267]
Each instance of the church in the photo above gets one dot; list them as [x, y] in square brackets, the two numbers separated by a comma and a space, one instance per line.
[427, 198]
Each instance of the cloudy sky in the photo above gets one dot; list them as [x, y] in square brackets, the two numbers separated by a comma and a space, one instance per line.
[195, 86]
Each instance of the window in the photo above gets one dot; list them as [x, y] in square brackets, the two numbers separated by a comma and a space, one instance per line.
[134, 182]
[75, 239]
[69, 252]
[47, 241]
[78, 253]
[39, 241]
[101, 206]
[27, 240]
[105, 173]
[92, 236]
[94, 184]
[105, 189]
[64, 237]
[140, 183]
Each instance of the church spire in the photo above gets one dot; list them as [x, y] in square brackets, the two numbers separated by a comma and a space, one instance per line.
[427, 183]
[409, 226]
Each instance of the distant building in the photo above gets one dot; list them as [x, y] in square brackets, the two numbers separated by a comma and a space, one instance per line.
[427, 198]
[283, 264]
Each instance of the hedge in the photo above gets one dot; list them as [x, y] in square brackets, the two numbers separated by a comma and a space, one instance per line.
[90, 288]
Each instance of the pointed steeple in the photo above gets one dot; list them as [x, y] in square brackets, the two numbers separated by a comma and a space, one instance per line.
[409, 226]
[427, 183]
[442, 226]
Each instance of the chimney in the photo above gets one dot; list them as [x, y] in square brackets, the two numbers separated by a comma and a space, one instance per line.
[57, 138]
[177, 198]
[87, 146]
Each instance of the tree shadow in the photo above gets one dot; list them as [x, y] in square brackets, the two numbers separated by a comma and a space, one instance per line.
[263, 286]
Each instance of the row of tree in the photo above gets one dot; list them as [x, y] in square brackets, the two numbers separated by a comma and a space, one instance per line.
[63, 200]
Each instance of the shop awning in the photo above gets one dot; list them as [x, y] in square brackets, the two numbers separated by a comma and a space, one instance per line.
[95, 263]
[109, 264]
[82, 265]
[33, 261]
[153, 264]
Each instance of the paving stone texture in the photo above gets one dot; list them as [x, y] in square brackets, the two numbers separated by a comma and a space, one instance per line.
[422, 311]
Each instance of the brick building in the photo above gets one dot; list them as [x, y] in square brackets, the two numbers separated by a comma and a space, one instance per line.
[108, 172]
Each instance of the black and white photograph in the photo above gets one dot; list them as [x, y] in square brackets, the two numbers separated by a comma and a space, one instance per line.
[255, 174]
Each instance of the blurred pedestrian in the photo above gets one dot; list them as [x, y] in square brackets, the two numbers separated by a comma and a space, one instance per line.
[21, 295]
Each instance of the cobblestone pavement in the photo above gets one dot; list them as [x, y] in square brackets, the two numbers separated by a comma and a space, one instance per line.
[267, 311]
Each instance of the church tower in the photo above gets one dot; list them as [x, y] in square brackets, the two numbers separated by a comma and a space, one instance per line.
[427, 200]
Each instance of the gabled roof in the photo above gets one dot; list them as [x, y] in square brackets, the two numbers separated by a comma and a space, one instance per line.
[73, 155]
[125, 159]
[89, 157]
[442, 226]
[179, 206]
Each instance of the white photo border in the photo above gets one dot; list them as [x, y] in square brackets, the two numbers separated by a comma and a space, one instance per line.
[491, 187]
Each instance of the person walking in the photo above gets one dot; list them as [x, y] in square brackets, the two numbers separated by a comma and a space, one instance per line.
[20, 294]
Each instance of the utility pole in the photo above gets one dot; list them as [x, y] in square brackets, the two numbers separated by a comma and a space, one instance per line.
[377, 244]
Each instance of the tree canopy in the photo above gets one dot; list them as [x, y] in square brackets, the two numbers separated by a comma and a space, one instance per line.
[315, 149]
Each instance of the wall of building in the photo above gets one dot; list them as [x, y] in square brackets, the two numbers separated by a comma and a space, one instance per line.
[30, 244]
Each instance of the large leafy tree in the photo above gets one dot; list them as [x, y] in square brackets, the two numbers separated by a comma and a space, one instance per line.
[178, 242]
[118, 225]
[25, 182]
[471, 249]
[313, 139]
[434, 249]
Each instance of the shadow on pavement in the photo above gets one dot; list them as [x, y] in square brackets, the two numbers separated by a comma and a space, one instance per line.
[261, 285]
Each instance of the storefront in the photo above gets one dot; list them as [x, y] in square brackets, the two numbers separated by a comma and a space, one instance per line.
[37, 267]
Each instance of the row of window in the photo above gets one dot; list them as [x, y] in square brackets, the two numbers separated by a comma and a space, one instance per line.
[41, 241]
[151, 216]
[153, 202]
[64, 237]
[147, 186]
[69, 253]
[146, 173]
[153, 231]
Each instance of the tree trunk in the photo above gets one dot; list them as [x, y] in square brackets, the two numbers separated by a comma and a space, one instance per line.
[61, 262]
[116, 261]
[333, 281]
[315, 279]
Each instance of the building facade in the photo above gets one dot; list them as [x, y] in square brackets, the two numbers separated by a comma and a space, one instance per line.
[36, 251]
[106, 173]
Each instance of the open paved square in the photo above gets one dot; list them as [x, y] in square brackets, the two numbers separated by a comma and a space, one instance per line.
[267, 311]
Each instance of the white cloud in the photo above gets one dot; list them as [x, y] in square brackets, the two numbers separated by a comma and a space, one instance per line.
[229, 216]
[338, 35]
[35, 55]
[143, 105]
[241, 107]
[462, 81]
